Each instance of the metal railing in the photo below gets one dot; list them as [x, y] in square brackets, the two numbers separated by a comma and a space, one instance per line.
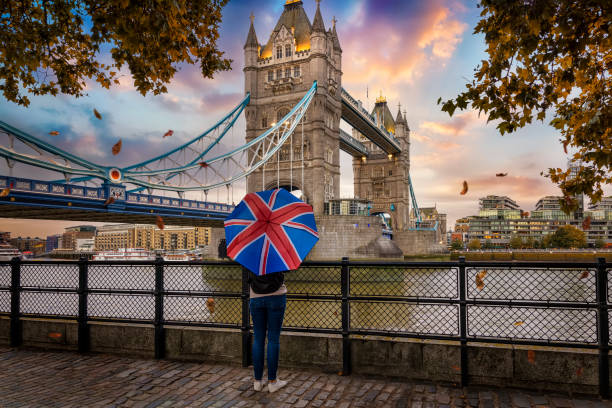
[529, 303]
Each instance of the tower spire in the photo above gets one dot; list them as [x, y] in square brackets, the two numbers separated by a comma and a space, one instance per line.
[252, 37]
[317, 23]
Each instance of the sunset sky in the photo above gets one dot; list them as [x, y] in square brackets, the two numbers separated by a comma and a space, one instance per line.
[413, 51]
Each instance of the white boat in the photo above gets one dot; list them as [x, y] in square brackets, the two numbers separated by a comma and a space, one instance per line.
[8, 252]
[180, 257]
[125, 254]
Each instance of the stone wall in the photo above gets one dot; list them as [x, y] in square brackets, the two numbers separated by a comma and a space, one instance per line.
[343, 235]
[418, 242]
[551, 369]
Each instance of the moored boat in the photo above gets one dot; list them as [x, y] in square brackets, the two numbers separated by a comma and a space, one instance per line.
[8, 252]
[125, 254]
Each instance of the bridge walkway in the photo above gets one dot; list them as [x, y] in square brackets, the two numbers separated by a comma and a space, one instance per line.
[65, 379]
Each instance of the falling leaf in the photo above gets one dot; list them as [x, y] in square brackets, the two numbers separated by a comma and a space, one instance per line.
[97, 114]
[579, 371]
[519, 323]
[160, 222]
[109, 201]
[480, 279]
[203, 164]
[5, 192]
[340, 373]
[456, 368]
[210, 304]
[169, 133]
[586, 223]
[117, 148]
[55, 335]
[584, 275]
[501, 174]
[54, 133]
[465, 188]
[531, 356]
[565, 146]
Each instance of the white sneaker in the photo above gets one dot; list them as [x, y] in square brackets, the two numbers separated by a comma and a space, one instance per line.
[275, 386]
[258, 385]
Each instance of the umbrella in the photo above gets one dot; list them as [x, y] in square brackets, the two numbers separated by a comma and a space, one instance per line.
[270, 231]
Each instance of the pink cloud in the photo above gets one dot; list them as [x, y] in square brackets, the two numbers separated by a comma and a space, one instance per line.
[456, 126]
[391, 49]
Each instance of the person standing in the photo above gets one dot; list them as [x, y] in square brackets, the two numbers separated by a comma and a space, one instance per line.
[268, 300]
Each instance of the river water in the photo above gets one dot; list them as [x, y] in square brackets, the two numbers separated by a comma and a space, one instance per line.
[555, 324]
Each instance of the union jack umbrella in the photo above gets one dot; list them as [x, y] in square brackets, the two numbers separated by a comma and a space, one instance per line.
[270, 231]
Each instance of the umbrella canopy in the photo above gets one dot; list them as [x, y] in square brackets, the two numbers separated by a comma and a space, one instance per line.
[270, 231]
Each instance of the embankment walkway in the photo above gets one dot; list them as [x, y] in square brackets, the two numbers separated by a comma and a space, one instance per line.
[65, 379]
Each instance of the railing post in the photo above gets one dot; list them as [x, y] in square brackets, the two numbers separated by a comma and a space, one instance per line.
[346, 341]
[245, 325]
[83, 329]
[463, 322]
[15, 331]
[602, 328]
[160, 341]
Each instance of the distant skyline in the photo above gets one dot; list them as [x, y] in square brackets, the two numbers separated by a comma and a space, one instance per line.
[412, 51]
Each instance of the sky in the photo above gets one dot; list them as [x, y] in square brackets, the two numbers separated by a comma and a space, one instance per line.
[412, 51]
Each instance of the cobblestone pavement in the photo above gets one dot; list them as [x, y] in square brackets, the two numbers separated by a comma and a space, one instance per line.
[63, 379]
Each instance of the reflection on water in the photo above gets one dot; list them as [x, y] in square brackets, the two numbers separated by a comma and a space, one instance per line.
[371, 315]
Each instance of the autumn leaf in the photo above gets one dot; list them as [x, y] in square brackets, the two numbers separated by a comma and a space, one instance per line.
[97, 114]
[565, 146]
[531, 356]
[5, 192]
[109, 201]
[54, 133]
[584, 275]
[55, 335]
[586, 223]
[501, 174]
[168, 133]
[518, 323]
[160, 222]
[210, 304]
[456, 368]
[480, 279]
[579, 371]
[203, 164]
[465, 188]
[117, 148]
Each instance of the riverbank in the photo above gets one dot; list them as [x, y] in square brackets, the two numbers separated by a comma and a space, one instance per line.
[543, 256]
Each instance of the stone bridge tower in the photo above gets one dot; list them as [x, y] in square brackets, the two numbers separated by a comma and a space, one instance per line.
[382, 178]
[278, 74]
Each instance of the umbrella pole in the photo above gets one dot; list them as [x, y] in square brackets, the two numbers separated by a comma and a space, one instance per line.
[278, 160]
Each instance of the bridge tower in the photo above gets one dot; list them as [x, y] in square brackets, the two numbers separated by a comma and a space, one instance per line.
[278, 74]
[384, 178]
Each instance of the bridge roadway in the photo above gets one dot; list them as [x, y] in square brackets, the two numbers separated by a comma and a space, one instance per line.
[35, 199]
[356, 116]
[54, 379]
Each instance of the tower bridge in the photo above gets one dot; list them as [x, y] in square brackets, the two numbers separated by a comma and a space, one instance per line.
[293, 105]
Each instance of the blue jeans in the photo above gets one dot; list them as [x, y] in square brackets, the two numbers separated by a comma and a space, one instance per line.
[267, 313]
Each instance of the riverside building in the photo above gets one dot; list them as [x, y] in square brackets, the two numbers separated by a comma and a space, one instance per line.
[110, 237]
[500, 218]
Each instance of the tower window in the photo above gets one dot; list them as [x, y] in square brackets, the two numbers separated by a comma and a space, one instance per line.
[287, 50]
[279, 52]
[279, 73]
[296, 71]
[270, 76]
[287, 72]
[264, 122]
